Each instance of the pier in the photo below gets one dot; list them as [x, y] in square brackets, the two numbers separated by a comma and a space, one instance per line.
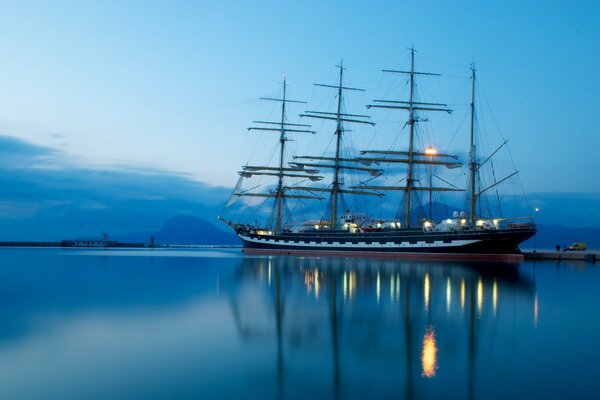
[588, 255]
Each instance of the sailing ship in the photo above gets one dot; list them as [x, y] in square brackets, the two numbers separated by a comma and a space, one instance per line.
[463, 235]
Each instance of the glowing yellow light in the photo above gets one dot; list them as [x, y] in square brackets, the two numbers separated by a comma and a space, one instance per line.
[495, 222]
[398, 286]
[535, 311]
[316, 226]
[392, 286]
[269, 273]
[430, 151]
[429, 354]
[345, 285]
[352, 284]
[495, 295]
[479, 222]
[378, 287]
[426, 291]
[449, 221]
[427, 224]
[479, 295]
[317, 286]
[448, 294]
[308, 281]
[462, 294]
[463, 221]
[379, 225]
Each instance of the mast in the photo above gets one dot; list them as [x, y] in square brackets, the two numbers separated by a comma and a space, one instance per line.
[472, 163]
[280, 178]
[336, 168]
[280, 172]
[411, 124]
[339, 117]
[474, 166]
[412, 107]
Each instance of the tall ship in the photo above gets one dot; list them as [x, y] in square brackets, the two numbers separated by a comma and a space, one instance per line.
[301, 184]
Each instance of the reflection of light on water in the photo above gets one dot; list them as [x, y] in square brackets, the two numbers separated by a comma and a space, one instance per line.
[348, 284]
[269, 273]
[448, 294]
[308, 281]
[352, 284]
[394, 287]
[260, 271]
[426, 291]
[429, 354]
[462, 295]
[495, 295]
[535, 310]
[479, 295]
[378, 287]
[311, 281]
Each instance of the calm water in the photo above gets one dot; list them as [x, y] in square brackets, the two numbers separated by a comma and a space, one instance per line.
[215, 324]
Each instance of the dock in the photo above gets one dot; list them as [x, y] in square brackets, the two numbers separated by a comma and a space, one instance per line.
[70, 243]
[587, 256]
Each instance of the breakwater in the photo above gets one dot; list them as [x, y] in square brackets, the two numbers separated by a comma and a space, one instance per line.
[589, 255]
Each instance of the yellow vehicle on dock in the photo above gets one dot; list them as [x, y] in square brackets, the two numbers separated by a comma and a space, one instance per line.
[579, 246]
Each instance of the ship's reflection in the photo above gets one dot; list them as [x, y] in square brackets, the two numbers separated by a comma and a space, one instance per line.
[407, 323]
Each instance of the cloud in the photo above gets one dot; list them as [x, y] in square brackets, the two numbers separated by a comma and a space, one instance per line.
[18, 154]
[17, 210]
[45, 196]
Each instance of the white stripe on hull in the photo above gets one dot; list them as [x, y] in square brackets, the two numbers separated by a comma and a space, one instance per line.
[374, 245]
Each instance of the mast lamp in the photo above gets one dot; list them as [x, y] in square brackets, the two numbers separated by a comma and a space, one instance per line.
[430, 151]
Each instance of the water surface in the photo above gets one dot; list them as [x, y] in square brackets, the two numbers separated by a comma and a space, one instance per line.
[153, 324]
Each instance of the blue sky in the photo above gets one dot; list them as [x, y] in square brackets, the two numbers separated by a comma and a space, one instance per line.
[141, 107]
[173, 85]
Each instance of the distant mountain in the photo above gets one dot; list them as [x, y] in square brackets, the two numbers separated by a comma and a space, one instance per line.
[182, 230]
[193, 230]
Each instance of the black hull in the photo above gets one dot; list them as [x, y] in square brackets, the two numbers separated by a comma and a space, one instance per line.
[479, 244]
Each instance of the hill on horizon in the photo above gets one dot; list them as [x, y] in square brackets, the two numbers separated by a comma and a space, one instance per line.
[183, 230]
[189, 230]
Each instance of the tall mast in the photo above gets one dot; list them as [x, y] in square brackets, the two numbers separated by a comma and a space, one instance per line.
[412, 107]
[339, 117]
[280, 171]
[474, 166]
[336, 169]
[280, 178]
[411, 124]
[472, 161]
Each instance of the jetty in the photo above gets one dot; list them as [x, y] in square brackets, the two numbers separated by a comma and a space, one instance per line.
[588, 255]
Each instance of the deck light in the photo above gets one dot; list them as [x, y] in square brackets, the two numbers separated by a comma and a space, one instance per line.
[430, 151]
